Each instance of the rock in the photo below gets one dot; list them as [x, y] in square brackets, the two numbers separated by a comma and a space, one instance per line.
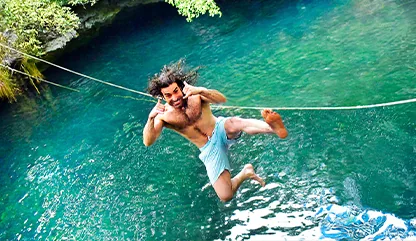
[60, 42]
[92, 19]
[11, 56]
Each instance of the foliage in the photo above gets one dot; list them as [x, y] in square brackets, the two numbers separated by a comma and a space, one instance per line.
[36, 21]
[77, 2]
[194, 8]
[6, 84]
[29, 67]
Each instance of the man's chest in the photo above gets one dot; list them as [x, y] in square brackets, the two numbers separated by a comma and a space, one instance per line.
[181, 118]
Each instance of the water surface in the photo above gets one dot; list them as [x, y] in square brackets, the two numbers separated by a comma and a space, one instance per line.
[73, 165]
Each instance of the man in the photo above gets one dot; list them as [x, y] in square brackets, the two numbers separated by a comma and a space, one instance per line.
[187, 111]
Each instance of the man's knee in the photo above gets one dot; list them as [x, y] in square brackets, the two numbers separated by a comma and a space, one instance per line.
[226, 197]
[223, 186]
[234, 125]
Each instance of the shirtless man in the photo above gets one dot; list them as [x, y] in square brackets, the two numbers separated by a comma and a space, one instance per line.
[187, 111]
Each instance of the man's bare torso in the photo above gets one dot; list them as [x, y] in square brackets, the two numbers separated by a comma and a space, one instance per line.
[195, 122]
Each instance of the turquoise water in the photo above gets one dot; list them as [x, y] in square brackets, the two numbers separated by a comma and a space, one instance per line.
[73, 165]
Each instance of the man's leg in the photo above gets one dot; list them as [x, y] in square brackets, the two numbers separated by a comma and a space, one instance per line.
[274, 124]
[225, 187]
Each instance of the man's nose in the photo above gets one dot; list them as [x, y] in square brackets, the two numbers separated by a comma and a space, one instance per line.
[176, 97]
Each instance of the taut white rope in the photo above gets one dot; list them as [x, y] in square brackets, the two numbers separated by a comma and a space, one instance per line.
[319, 108]
[52, 83]
[77, 73]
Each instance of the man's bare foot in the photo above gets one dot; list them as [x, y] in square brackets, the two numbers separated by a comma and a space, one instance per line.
[275, 122]
[249, 173]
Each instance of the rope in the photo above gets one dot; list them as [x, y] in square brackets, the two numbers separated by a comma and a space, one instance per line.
[319, 108]
[77, 73]
[133, 98]
[46, 81]
[214, 106]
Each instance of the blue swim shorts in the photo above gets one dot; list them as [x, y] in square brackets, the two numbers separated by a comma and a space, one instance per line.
[214, 152]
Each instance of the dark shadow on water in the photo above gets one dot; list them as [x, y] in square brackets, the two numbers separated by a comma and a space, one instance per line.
[141, 17]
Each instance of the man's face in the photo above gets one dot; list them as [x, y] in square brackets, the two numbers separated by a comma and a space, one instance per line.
[173, 95]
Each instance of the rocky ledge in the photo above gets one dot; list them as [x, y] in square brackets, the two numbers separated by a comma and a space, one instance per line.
[92, 19]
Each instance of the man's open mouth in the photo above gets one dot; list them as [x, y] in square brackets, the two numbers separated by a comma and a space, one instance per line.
[177, 103]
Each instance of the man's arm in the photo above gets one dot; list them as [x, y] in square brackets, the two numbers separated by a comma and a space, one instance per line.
[207, 95]
[152, 131]
[154, 125]
[212, 96]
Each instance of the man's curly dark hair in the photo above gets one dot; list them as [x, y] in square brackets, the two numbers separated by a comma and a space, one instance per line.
[174, 72]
